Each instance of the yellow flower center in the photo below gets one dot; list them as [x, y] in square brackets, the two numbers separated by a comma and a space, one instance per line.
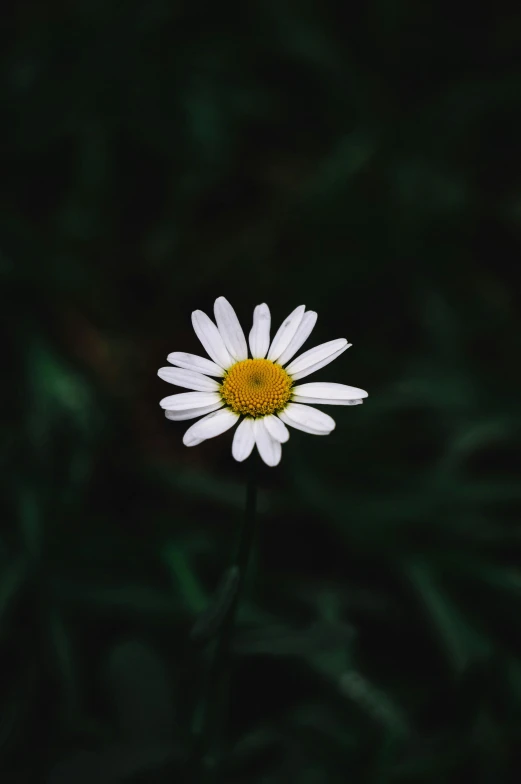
[256, 387]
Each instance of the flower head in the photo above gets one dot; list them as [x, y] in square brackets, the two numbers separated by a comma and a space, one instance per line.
[258, 393]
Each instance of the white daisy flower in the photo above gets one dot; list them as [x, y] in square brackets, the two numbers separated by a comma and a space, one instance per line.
[259, 393]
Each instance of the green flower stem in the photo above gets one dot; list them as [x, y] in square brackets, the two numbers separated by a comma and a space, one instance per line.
[216, 708]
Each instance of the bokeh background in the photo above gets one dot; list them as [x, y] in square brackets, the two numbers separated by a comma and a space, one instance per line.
[362, 159]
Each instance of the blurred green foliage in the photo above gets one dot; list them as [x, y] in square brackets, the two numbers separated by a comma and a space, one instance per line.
[363, 159]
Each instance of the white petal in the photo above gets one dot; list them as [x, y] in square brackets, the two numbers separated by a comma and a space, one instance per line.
[210, 426]
[327, 393]
[286, 333]
[277, 429]
[193, 362]
[243, 440]
[230, 329]
[192, 413]
[321, 402]
[269, 449]
[188, 379]
[186, 400]
[260, 332]
[211, 339]
[304, 330]
[308, 419]
[312, 368]
[317, 357]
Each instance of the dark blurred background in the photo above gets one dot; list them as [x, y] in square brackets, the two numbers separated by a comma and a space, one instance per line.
[362, 159]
